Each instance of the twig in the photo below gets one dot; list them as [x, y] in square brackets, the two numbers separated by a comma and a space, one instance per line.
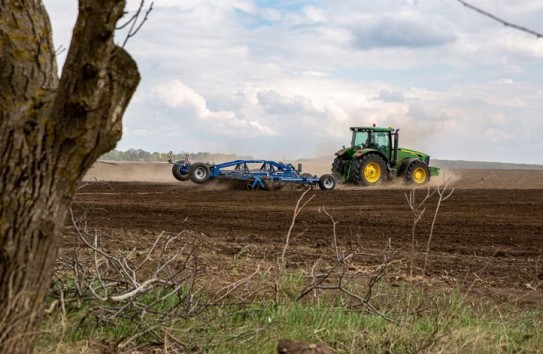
[334, 232]
[231, 287]
[442, 198]
[317, 283]
[297, 211]
[61, 49]
[418, 210]
[503, 22]
[134, 28]
[107, 162]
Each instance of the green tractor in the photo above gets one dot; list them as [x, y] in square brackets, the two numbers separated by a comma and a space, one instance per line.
[374, 155]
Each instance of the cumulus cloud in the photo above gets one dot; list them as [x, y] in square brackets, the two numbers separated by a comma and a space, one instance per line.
[391, 96]
[274, 103]
[289, 78]
[185, 100]
[400, 30]
[427, 113]
[176, 94]
[503, 82]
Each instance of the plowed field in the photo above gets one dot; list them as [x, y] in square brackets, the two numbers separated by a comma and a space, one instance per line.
[488, 239]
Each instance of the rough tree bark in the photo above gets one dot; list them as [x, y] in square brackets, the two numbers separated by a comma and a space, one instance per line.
[51, 131]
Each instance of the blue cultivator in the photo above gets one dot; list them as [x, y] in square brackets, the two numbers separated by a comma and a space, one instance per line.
[253, 174]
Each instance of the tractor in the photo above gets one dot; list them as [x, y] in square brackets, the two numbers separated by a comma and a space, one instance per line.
[374, 156]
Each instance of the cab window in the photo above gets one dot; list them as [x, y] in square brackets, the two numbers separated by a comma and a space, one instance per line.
[359, 139]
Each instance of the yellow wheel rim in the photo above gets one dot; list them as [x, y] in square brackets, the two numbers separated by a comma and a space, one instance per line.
[419, 175]
[372, 172]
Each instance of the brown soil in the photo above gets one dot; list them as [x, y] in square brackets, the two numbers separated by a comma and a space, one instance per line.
[488, 236]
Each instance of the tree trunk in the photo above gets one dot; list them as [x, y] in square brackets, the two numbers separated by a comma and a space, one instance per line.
[51, 131]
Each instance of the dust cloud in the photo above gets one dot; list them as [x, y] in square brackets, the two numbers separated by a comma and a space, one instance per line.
[158, 172]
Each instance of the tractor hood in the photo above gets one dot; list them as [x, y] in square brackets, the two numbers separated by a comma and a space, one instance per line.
[404, 153]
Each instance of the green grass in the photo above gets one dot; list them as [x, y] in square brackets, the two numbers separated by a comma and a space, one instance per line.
[447, 322]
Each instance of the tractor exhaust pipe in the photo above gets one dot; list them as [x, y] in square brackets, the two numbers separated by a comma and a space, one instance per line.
[396, 138]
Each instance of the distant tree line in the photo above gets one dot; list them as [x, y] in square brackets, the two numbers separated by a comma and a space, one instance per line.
[142, 155]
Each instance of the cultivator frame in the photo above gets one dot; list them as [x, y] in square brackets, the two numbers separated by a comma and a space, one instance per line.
[253, 179]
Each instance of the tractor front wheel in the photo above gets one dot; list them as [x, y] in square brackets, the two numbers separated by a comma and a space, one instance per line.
[417, 173]
[368, 170]
[199, 172]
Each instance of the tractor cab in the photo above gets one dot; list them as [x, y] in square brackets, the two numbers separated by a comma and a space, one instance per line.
[379, 139]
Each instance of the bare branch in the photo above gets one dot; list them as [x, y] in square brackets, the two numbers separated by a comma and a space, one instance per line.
[231, 287]
[61, 49]
[134, 292]
[297, 210]
[503, 22]
[334, 231]
[134, 27]
[318, 282]
[442, 198]
[335, 277]
[418, 210]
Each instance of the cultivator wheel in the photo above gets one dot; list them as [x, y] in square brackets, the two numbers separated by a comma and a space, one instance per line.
[199, 172]
[417, 173]
[250, 186]
[256, 184]
[180, 171]
[327, 182]
[368, 170]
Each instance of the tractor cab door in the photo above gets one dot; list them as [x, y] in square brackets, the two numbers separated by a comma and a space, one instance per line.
[381, 141]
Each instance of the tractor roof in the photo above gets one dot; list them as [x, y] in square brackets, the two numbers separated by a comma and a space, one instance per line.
[375, 129]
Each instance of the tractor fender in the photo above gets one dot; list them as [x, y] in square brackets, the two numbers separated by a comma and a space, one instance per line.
[361, 152]
[340, 152]
[405, 165]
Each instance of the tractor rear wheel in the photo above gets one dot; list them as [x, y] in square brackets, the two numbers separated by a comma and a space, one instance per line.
[368, 170]
[338, 168]
[199, 172]
[417, 173]
[180, 171]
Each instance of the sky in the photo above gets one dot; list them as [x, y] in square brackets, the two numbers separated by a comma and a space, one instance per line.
[287, 78]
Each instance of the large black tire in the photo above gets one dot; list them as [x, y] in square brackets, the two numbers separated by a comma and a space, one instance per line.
[199, 172]
[417, 173]
[368, 170]
[178, 174]
[336, 165]
[338, 169]
[327, 182]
